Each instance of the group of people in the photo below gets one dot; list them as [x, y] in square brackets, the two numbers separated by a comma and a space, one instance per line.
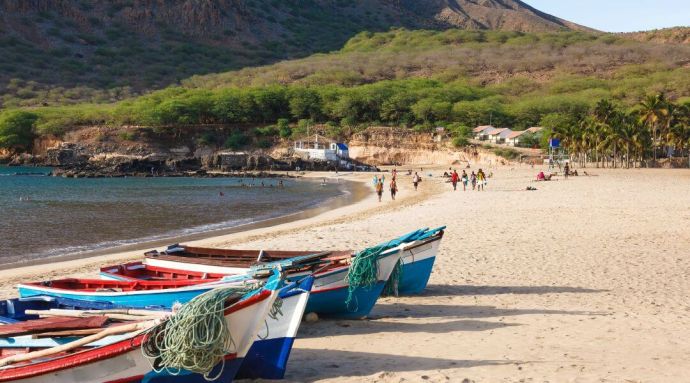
[379, 184]
[477, 180]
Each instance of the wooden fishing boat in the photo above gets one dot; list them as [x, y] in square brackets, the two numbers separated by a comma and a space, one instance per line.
[122, 361]
[186, 262]
[267, 358]
[418, 261]
[126, 293]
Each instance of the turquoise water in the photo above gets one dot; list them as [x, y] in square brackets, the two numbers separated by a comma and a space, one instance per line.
[42, 216]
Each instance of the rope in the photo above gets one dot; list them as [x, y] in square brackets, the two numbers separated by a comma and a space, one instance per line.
[393, 283]
[363, 271]
[196, 338]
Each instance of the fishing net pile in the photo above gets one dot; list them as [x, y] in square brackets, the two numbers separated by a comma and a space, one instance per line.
[196, 338]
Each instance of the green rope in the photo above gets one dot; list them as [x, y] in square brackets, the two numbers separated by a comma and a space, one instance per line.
[363, 271]
[196, 338]
[393, 283]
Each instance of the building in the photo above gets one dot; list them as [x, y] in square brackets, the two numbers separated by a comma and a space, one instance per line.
[480, 132]
[503, 136]
[322, 149]
[495, 137]
[513, 138]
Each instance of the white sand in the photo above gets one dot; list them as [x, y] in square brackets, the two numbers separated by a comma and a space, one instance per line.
[584, 280]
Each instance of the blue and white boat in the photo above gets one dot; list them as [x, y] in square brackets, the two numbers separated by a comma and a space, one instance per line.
[122, 360]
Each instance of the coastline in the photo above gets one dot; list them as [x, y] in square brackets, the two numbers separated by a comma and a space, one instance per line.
[357, 201]
[584, 279]
[354, 192]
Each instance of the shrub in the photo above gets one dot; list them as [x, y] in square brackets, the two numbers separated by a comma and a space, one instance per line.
[236, 140]
[17, 129]
[507, 153]
[459, 142]
[128, 136]
[267, 131]
[264, 143]
[206, 139]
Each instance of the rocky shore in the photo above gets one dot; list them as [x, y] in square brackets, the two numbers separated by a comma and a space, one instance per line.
[79, 161]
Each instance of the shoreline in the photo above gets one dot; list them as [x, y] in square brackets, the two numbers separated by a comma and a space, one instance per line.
[352, 193]
[584, 279]
[86, 264]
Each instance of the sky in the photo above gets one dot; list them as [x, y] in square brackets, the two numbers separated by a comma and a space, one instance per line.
[619, 15]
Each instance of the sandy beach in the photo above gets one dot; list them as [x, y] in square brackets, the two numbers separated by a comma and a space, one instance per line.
[582, 280]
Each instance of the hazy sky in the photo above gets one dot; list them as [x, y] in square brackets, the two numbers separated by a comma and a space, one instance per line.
[619, 15]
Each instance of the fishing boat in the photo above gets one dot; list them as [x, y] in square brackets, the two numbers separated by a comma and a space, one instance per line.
[418, 262]
[266, 359]
[123, 361]
[142, 294]
[333, 293]
[182, 262]
[268, 356]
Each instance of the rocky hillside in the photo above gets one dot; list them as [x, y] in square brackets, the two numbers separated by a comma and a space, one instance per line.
[678, 35]
[66, 51]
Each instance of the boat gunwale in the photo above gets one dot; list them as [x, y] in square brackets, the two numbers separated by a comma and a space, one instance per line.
[85, 357]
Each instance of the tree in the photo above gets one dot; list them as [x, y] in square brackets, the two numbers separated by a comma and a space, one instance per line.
[653, 113]
[305, 103]
[17, 130]
[236, 140]
[679, 132]
[284, 128]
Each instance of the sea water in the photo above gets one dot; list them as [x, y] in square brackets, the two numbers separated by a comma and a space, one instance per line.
[43, 216]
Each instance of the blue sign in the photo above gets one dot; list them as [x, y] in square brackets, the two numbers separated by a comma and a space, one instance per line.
[554, 143]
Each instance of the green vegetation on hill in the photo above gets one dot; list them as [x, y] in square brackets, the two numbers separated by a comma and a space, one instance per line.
[59, 52]
[417, 79]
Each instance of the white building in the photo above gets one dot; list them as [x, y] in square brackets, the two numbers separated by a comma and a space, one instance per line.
[322, 149]
[481, 132]
[513, 138]
[495, 135]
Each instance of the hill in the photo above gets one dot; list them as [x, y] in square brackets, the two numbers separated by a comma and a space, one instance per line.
[68, 51]
[677, 35]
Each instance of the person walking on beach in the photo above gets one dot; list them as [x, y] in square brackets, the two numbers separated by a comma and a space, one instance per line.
[394, 189]
[464, 180]
[481, 180]
[454, 179]
[379, 189]
[566, 170]
[394, 173]
[473, 179]
[415, 180]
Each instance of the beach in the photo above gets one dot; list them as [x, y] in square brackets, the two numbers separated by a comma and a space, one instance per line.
[582, 280]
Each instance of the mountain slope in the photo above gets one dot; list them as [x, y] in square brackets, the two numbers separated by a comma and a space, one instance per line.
[66, 51]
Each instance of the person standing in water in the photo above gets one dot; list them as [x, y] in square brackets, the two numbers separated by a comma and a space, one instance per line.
[379, 189]
[481, 180]
[473, 179]
[394, 189]
[464, 180]
[454, 179]
[415, 180]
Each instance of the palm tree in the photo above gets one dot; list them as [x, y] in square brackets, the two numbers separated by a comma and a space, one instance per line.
[679, 128]
[654, 113]
[606, 117]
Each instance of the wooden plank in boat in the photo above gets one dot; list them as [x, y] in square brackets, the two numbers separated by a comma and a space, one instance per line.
[51, 324]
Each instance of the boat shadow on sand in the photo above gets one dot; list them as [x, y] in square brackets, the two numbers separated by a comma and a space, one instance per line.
[382, 325]
[449, 290]
[322, 364]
